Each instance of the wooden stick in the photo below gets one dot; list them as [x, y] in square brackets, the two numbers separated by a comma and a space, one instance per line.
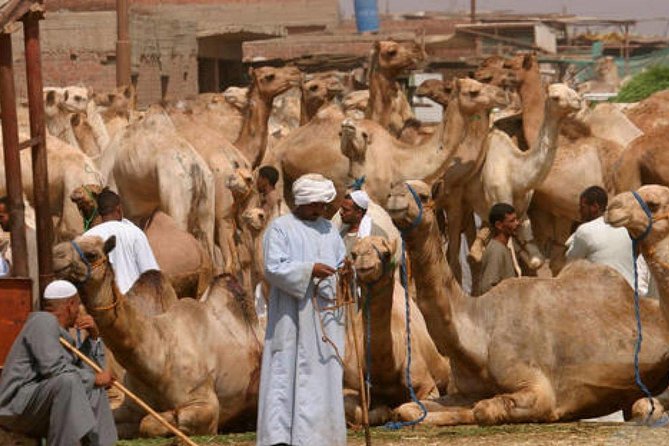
[363, 386]
[131, 395]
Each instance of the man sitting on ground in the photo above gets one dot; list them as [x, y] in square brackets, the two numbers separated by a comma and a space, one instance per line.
[497, 263]
[45, 391]
[132, 255]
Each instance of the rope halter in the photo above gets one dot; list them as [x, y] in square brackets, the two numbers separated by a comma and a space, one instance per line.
[414, 224]
[116, 294]
[648, 213]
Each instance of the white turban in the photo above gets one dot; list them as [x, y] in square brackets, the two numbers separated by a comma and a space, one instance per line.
[360, 198]
[313, 188]
[59, 289]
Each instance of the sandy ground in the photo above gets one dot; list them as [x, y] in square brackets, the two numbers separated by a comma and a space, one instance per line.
[565, 434]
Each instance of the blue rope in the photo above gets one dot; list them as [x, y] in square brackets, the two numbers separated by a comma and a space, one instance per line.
[404, 279]
[358, 183]
[639, 338]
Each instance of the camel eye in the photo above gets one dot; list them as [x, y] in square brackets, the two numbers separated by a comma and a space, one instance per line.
[653, 206]
[392, 53]
[313, 88]
[354, 255]
[269, 78]
[474, 93]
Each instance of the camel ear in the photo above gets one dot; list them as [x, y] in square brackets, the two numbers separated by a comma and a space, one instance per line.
[527, 61]
[50, 97]
[110, 244]
[437, 188]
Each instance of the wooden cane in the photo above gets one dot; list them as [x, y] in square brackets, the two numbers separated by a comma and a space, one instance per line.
[130, 395]
[363, 387]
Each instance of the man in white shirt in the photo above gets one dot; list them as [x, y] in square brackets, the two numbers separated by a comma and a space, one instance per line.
[598, 242]
[132, 255]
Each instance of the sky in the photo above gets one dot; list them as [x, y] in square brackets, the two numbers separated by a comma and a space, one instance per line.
[653, 14]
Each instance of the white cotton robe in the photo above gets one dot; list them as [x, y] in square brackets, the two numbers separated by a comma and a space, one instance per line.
[301, 400]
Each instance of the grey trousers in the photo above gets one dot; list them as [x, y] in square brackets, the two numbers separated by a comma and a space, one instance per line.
[61, 410]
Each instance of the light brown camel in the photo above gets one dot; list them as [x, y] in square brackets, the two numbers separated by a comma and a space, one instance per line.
[650, 113]
[69, 168]
[178, 253]
[385, 310]
[531, 349]
[318, 90]
[645, 161]
[57, 119]
[198, 363]
[387, 103]
[253, 224]
[153, 167]
[510, 175]
[606, 80]
[383, 160]
[266, 83]
[116, 108]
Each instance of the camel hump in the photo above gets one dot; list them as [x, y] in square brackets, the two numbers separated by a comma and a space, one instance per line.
[176, 250]
[226, 295]
[152, 293]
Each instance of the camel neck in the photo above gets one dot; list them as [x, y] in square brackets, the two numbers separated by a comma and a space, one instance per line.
[539, 158]
[439, 293]
[533, 99]
[656, 257]
[308, 109]
[380, 306]
[252, 140]
[382, 90]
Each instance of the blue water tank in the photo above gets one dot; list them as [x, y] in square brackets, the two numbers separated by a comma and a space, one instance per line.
[366, 16]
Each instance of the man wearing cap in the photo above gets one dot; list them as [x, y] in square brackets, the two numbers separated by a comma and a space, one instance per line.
[357, 222]
[132, 255]
[45, 391]
[301, 400]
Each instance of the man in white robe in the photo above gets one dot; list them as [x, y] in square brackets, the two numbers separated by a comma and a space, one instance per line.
[45, 391]
[133, 254]
[301, 401]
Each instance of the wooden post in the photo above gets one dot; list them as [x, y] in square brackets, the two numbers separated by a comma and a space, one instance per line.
[122, 44]
[44, 229]
[472, 11]
[10, 135]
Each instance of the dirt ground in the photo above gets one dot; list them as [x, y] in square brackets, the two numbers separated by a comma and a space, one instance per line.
[565, 434]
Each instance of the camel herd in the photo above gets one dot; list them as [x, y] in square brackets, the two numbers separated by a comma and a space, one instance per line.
[188, 339]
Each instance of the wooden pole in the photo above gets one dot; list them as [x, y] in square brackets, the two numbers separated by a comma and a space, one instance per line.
[44, 229]
[363, 387]
[122, 44]
[10, 136]
[472, 11]
[129, 394]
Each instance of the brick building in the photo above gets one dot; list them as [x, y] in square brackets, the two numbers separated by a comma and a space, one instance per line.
[179, 47]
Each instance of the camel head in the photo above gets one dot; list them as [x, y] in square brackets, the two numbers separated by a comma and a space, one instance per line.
[372, 258]
[393, 57]
[494, 72]
[118, 100]
[321, 88]
[354, 139]
[270, 82]
[355, 104]
[625, 211]
[79, 260]
[404, 208]
[562, 100]
[85, 197]
[236, 96]
[521, 65]
[474, 97]
[240, 182]
[75, 99]
[435, 89]
[255, 219]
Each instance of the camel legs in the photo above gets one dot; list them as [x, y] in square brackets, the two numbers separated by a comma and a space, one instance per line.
[198, 417]
[377, 415]
[225, 237]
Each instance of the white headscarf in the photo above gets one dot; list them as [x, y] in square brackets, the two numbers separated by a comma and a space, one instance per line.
[59, 289]
[313, 188]
[360, 198]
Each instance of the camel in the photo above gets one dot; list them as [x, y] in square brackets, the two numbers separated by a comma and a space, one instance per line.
[355, 103]
[606, 80]
[387, 103]
[318, 90]
[651, 113]
[241, 184]
[116, 108]
[69, 167]
[571, 359]
[173, 176]
[510, 175]
[374, 153]
[57, 119]
[385, 311]
[253, 223]
[645, 161]
[179, 255]
[197, 363]
[266, 83]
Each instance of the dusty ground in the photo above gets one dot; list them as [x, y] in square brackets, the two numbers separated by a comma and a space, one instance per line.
[586, 434]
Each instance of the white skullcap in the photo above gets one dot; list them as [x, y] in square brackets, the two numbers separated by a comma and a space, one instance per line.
[313, 188]
[59, 289]
[360, 198]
